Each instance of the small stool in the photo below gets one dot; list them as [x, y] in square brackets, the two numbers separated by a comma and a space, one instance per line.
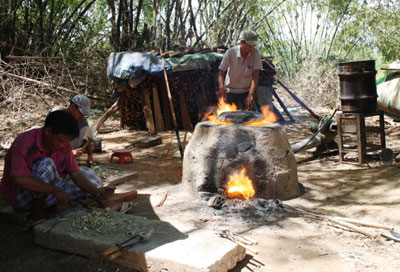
[121, 154]
[353, 124]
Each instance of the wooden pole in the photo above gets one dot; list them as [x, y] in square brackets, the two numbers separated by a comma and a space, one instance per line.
[298, 100]
[283, 106]
[172, 107]
[99, 122]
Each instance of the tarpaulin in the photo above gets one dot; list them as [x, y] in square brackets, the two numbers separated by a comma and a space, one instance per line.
[126, 65]
[194, 61]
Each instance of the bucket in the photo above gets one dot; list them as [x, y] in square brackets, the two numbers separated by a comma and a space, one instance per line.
[358, 86]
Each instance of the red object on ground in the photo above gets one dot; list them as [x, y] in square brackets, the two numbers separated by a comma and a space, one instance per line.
[121, 154]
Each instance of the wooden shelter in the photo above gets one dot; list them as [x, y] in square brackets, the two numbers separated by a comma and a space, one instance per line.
[144, 100]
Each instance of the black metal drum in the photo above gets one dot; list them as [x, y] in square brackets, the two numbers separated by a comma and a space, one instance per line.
[358, 86]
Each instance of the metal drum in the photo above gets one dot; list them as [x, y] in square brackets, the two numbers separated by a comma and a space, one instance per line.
[358, 86]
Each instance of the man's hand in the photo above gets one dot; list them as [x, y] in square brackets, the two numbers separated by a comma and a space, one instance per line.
[89, 163]
[222, 91]
[61, 196]
[77, 152]
[249, 101]
[105, 192]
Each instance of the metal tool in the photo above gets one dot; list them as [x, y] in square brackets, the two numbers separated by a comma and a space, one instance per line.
[60, 219]
[115, 251]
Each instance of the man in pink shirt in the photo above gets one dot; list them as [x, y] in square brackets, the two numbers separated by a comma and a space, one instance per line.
[40, 169]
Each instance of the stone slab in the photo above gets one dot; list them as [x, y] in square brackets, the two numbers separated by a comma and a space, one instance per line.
[91, 233]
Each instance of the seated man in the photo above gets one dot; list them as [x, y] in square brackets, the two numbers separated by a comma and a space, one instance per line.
[40, 169]
[79, 107]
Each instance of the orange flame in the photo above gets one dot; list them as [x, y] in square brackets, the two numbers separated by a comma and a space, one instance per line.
[240, 186]
[222, 107]
[269, 117]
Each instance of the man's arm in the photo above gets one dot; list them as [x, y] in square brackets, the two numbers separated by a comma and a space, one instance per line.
[253, 86]
[221, 82]
[33, 185]
[89, 151]
[84, 183]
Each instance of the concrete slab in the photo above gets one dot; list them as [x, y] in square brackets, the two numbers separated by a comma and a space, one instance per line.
[91, 233]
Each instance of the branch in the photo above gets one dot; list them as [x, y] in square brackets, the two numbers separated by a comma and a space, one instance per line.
[70, 17]
[336, 29]
[44, 84]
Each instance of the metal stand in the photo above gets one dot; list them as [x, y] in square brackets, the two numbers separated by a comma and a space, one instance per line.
[353, 124]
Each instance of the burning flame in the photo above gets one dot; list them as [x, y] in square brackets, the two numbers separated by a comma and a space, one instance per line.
[269, 117]
[223, 107]
[239, 185]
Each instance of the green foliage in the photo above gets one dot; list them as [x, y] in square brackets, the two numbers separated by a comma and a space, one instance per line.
[297, 33]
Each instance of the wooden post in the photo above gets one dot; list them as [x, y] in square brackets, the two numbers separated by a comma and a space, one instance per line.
[99, 122]
[157, 111]
[166, 111]
[123, 108]
[186, 122]
[148, 113]
[299, 101]
[172, 107]
[283, 106]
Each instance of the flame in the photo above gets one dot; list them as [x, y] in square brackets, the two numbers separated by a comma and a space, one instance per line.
[239, 185]
[269, 117]
[222, 107]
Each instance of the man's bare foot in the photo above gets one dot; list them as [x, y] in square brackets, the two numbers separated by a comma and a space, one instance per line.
[112, 205]
[123, 197]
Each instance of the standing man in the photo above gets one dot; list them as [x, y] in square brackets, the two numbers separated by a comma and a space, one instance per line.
[243, 63]
[40, 169]
[79, 107]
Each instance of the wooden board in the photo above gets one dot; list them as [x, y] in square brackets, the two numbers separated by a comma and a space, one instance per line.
[148, 142]
[157, 111]
[186, 122]
[166, 110]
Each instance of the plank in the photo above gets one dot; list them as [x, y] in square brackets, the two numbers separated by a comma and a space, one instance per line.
[157, 111]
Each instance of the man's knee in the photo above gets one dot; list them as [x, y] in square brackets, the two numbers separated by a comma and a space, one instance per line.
[44, 169]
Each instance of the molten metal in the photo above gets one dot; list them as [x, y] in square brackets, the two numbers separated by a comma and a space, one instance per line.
[240, 186]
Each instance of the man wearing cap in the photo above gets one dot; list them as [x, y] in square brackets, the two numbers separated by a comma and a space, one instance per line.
[79, 107]
[242, 64]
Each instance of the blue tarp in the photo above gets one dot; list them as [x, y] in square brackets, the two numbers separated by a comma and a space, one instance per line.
[130, 65]
[126, 65]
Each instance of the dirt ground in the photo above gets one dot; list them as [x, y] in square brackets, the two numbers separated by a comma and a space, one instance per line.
[288, 242]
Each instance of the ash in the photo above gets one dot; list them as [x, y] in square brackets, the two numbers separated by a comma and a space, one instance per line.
[253, 211]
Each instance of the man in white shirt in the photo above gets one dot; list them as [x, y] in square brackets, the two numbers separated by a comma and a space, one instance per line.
[242, 64]
[79, 107]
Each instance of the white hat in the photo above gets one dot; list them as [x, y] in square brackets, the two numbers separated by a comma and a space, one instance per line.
[82, 102]
[250, 37]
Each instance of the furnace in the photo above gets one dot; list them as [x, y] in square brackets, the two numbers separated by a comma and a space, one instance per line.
[240, 155]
